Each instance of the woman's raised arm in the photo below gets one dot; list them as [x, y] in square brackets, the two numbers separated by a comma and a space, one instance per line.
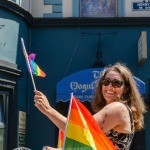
[42, 103]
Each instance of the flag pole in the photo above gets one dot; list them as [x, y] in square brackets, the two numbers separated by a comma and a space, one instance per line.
[67, 120]
[27, 60]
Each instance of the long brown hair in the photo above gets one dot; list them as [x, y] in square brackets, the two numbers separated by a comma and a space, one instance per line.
[132, 97]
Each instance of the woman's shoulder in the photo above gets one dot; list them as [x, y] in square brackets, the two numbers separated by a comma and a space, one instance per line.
[116, 107]
[116, 104]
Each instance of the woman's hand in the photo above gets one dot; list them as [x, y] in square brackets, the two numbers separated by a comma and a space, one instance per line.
[41, 102]
[50, 148]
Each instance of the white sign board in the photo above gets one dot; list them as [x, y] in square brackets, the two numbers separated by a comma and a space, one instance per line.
[142, 48]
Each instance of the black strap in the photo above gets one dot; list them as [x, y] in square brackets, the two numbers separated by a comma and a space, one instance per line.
[131, 117]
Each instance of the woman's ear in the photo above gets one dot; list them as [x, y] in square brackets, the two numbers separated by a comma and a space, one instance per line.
[126, 89]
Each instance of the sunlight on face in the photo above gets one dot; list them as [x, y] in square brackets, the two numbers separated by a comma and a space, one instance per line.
[111, 93]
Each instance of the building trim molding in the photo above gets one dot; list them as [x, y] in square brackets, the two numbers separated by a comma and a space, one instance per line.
[73, 21]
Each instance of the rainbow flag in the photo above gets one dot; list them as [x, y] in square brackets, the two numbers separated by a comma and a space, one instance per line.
[32, 66]
[82, 131]
[60, 139]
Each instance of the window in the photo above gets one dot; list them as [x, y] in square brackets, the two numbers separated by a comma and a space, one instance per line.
[98, 8]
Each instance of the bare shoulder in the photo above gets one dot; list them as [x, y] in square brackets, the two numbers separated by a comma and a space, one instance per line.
[116, 108]
[113, 116]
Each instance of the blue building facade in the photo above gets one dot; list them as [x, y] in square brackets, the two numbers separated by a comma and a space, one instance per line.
[62, 46]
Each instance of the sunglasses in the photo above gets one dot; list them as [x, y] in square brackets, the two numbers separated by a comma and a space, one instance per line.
[115, 83]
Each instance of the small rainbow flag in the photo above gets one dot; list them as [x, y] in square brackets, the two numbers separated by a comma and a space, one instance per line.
[34, 67]
[82, 131]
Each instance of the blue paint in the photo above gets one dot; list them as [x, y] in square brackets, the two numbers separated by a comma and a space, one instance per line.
[57, 9]
[52, 2]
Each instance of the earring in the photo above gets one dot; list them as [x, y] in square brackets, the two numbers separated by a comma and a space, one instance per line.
[117, 98]
[123, 96]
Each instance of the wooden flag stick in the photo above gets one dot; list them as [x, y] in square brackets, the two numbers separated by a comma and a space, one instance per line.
[27, 60]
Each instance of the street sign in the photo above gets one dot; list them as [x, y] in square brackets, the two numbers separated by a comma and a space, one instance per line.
[141, 6]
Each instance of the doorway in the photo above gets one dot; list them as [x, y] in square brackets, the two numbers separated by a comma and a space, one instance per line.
[3, 119]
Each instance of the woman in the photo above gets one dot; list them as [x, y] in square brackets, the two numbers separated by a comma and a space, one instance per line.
[119, 108]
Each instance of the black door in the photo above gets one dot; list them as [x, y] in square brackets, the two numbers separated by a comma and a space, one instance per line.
[3, 119]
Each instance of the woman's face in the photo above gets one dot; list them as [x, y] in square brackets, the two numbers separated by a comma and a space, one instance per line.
[109, 92]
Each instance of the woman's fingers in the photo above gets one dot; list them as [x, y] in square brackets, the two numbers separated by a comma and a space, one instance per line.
[37, 100]
[38, 93]
[50, 148]
[39, 96]
[41, 102]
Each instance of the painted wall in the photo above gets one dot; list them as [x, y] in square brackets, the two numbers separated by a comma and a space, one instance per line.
[63, 51]
[71, 8]
[38, 7]
[10, 48]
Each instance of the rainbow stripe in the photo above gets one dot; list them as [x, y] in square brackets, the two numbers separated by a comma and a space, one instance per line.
[83, 132]
[34, 67]
[60, 139]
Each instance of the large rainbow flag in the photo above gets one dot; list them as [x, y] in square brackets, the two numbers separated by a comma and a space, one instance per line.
[60, 139]
[82, 131]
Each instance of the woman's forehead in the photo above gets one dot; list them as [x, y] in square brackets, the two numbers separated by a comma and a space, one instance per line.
[114, 74]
